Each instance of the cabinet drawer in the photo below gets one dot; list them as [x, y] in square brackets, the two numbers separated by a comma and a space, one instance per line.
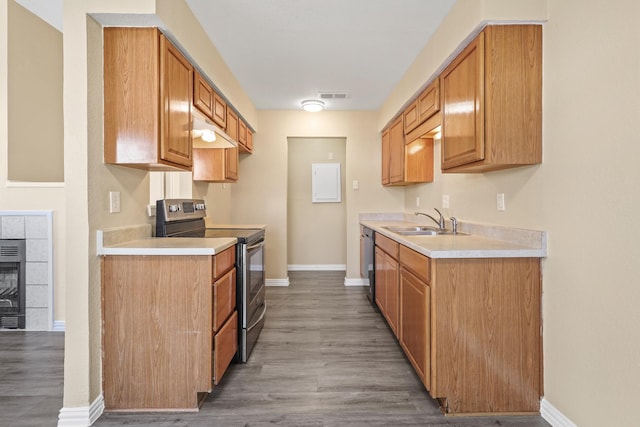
[418, 264]
[388, 245]
[225, 346]
[224, 298]
[223, 261]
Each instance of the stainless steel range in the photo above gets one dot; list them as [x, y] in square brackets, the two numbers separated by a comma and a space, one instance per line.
[185, 218]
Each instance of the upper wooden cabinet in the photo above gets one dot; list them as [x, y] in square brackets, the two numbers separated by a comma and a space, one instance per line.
[147, 83]
[406, 163]
[215, 164]
[243, 136]
[203, 95]
[492, 101]
[232, 124]
[425, 106]
[219, 110]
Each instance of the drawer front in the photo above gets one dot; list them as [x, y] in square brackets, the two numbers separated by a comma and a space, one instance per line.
[388, 245]
[225, 346]
[418, 264]
[223, 261]
[224, 298]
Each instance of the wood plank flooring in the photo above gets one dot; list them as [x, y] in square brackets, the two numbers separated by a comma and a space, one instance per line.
[324, 358]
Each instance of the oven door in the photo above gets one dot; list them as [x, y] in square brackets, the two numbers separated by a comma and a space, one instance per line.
[253, 281]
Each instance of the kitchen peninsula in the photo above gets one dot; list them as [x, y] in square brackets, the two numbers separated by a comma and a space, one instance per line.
[466, 309]
[169, 319]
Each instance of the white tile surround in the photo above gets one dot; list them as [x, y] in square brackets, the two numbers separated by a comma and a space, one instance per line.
[36, 228]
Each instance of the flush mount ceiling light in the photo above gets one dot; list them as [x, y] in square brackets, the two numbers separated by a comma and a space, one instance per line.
[312, 105]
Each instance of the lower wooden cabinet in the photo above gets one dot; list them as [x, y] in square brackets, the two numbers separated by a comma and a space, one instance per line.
[471, 328]
[169, 329]
[387, 280]
[415, 313]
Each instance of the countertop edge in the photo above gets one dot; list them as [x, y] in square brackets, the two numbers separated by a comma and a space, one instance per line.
[476, 246]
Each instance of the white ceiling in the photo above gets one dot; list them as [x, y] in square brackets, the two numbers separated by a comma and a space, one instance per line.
[285, 51]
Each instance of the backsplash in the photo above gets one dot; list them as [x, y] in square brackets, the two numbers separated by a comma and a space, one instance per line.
[36, 228]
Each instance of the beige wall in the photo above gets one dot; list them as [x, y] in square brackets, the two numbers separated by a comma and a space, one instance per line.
[23, 196]
[35, 98]
[316, 232]
[260, 196]
[584, 195]
[89, 180]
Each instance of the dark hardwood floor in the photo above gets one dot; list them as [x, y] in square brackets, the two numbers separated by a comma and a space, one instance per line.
[324, 358]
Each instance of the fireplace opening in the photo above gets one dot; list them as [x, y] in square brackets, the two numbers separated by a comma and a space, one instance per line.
[12, 284]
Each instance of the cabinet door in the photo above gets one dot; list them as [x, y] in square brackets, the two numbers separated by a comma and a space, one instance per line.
[219, 110]
[396, 151]
[225, 346]
[429, 101]
[411, 117]
[249, 140]
[393, 292]
[231, 164]
[463, 107]
[232, 124]
[176, 90]
[385, 157]
[242, 135]
[203, 96]
[415, 323]
[224, 298]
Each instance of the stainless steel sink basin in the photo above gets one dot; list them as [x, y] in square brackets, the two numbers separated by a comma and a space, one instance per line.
[418, 230]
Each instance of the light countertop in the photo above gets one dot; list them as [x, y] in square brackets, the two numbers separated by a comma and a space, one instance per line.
[137, 240]
[480, 242]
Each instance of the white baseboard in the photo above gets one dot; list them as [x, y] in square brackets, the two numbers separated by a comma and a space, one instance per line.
[317, 267]
[82, 416]
[356, 281]
[553, 416]
[58, 326]
[277, 282]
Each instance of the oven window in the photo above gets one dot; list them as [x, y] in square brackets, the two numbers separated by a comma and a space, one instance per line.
[255, 271]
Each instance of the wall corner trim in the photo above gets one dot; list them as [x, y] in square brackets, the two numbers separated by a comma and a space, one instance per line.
[82, 416]
[553, 416]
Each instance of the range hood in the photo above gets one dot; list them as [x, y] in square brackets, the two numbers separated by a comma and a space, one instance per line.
[206, 134]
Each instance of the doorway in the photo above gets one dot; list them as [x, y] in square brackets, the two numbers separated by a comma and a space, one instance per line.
[316, 232]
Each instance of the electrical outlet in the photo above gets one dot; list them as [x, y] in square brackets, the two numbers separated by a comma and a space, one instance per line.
[417, 202]
[355, 184]
[114, 201]
[500, 202]
[330, 156]
[445, 201]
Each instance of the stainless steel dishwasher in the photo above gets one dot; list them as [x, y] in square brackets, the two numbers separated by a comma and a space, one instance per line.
[367, 260]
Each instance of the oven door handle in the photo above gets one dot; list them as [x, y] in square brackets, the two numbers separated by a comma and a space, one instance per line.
[256, 246]
[264, 311]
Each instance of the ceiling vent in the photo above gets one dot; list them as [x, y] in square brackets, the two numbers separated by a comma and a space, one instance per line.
[333, 95]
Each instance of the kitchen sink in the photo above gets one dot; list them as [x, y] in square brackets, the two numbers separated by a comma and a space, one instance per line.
[419, 230]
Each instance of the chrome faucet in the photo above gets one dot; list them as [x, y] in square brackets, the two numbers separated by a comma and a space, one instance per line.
[439, 221]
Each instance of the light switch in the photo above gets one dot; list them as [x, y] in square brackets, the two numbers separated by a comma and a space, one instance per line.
[114, 201]
[445, 201]
[355, 184]
[331, 156]
[500, 202]
[417, 202]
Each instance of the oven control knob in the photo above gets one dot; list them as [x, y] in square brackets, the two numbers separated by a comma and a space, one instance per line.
[200, 207]
[174, 208]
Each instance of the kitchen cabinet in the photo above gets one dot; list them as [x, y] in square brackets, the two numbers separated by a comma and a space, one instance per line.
[147, 84]
[249, 140]
[415, 312]
[387, 280]
[232, 124]
[423, 107]
[385, 157]
[169, 329]
[215, 164]
[203, 95]
[242, 136]
[471, 327]
[492, 101]
[219, 111]
[405, 163]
